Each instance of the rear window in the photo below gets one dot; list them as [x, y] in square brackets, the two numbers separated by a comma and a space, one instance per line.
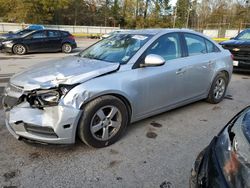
[65, 34]
[54, 34]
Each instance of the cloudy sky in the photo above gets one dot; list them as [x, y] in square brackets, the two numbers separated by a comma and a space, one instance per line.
[172, 2]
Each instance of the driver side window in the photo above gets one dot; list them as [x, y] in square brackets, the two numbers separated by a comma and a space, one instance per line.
[167, 46]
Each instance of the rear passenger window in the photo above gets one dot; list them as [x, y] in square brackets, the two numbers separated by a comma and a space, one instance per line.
[167, 46]
[195, 44]
[54, 34]
[211, 47]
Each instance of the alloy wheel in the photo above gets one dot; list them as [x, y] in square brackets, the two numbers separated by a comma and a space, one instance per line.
[219, 88]
[105, 123]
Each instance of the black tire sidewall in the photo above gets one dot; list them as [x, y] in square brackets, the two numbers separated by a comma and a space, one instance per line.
[211, 97]
[88, 112]
[65, 45]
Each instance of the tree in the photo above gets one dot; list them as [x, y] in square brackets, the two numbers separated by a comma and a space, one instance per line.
[182, 8]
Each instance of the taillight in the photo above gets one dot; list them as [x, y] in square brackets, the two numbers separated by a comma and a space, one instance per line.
[71, 37]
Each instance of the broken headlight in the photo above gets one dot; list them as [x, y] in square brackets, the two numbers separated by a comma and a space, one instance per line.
[51, 97]
[43, 98]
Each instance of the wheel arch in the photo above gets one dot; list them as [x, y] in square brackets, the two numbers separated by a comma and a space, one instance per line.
[124, 99]
[225, 72]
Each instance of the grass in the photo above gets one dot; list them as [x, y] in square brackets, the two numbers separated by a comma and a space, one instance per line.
[220, 39]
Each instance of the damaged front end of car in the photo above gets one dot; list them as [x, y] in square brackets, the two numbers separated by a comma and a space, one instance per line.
[41, 103]
[38, 114]
[225, 162]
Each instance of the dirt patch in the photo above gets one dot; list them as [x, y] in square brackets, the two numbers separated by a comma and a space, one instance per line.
[166, 184]
[245, 78]
[113, 163]
[114, 152]
[204, 120]
[119, 178]
[10, 175]
[216, 108]
[152, 135]
[34, 155]
[155, 124]
[230, 97]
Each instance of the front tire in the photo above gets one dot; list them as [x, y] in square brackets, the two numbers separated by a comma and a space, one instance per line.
[19, 49]
[66, 48]
[103, 121]
[218, 89]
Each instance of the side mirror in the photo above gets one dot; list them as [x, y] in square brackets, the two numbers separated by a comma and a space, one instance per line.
[153, 60]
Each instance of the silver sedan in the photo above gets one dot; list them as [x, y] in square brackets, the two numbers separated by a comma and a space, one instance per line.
[122, 79]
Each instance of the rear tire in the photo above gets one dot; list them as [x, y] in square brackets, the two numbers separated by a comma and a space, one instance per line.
[218, 89]
[66, 48]
[103, 121]
[19, 49]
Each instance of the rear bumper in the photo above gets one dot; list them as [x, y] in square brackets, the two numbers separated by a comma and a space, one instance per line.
[242, 65]
[74, 45]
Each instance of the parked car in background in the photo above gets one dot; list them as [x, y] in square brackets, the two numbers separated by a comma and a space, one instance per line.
[111, 33]
[239, 46]
[35, 27]
[225, 162]
[45, 40]
[121, 79]
[20, 32]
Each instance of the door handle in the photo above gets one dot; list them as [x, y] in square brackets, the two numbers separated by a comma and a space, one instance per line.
[180, 71]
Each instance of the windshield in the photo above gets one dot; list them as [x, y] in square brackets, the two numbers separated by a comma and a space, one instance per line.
[244, 35]
[22, 32]
[118, 48]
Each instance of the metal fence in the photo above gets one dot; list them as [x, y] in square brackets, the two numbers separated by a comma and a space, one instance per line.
[6, 27]
[213, 33]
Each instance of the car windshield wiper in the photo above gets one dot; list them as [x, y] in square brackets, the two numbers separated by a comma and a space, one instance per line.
[89, 57]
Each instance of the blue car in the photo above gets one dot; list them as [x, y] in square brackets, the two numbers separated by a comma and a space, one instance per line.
[20, 32]
[46, 40]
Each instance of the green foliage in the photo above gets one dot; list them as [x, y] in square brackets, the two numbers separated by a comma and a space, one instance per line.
[128, 13]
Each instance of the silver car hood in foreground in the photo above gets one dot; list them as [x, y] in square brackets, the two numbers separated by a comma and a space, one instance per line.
[69, 70]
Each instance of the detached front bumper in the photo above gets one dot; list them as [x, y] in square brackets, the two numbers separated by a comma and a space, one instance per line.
[206, 171]
[5, 48]
[55, 125]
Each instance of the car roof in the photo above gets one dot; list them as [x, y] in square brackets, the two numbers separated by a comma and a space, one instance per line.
[35, 27]
[154, 31]
[48, 30]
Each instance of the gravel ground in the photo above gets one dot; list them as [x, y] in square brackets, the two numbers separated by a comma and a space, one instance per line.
[155, 152]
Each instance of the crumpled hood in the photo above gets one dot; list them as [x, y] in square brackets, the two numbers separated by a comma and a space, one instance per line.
[69, 70]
